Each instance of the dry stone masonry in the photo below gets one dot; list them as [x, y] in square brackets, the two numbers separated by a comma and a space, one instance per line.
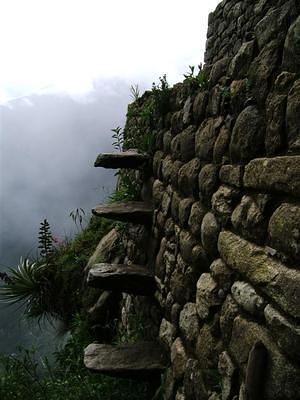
[225, 195]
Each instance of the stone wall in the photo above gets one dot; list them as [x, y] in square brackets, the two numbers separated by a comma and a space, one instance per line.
[225, 184]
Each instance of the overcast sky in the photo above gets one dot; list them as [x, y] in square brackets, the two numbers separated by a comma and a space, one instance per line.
[63, 45]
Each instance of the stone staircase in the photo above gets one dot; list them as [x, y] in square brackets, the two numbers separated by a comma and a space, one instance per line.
[142, 360]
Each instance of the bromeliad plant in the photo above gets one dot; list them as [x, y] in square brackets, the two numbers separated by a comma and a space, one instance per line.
[27, 286]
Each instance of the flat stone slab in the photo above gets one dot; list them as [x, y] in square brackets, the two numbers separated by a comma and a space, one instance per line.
[130, 211]
[132, 279]
[280, 283]
[130, 159]
[278, 174]
[136, 361]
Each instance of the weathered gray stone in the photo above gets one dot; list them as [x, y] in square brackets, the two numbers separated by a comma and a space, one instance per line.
[134, 279]
[245, 295]
[247, 136]
[187, 144]
[239, 65]
[205, 139]
[208, 348]
[167, 333]
[188, 322]
[166, 169]
[194, 386]
[184, 211]
[138, 360]
[261, 70]
[278, 174]
[186, 244]
[218, 70]
[187, 111]
[207, 295]
[209, 233]
[273, 278]
[229, 311]
[178, 358]
[175, 206]
[157, 191]
[273, 24]
[224, 199]
[282, 378]
[159, 262]
[127, 159]
[221, 274]
[221, 145]
[199, 258]
[214, 100]
[167, 138]
[232, 174]
[287, 334]
[208, 179]
[166, 203]
[275, 113]
[177, 122]
[291, 53]
[196, 217]
[293, 117]
[174, 172]
[130, 211]
[199, 106]
[248, 218]
[106, 250]
[284, 230]
[157, 159]
[238, 95]
[226, 369]
[188, 177]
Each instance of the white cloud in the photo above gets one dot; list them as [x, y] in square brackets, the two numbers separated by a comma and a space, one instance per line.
[67, 44]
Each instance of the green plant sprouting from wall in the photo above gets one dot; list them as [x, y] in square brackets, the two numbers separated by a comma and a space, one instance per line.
[135, 92]
[199, 80]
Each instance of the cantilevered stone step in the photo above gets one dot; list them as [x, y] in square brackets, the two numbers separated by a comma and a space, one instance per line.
[127, 159]
[133, 279]
[135, 361]
[130, 211]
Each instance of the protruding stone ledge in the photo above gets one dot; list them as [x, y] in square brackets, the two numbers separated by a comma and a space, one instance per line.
[130, 211]
[280, 283]
[279, 174]
[130, 159]
[136, 361]
[132, 279]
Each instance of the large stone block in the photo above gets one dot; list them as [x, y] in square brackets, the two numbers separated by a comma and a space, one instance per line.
[293, 117]
[275, 113]
[178, 359]
[245, 295]
[205, 139]
[188, 177]
[207, 295]
[210, 229]
[278, 174]
[286, 333]
[248, 217]
[208, 179]
[196, 216]
[284, 230]
[291, 53]
[189, 322]
[280, 283]
[247, 136]
[262, 68]
[240, 63]
[282, 378]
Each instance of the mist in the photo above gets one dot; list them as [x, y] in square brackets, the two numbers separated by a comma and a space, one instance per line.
[48, 146]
